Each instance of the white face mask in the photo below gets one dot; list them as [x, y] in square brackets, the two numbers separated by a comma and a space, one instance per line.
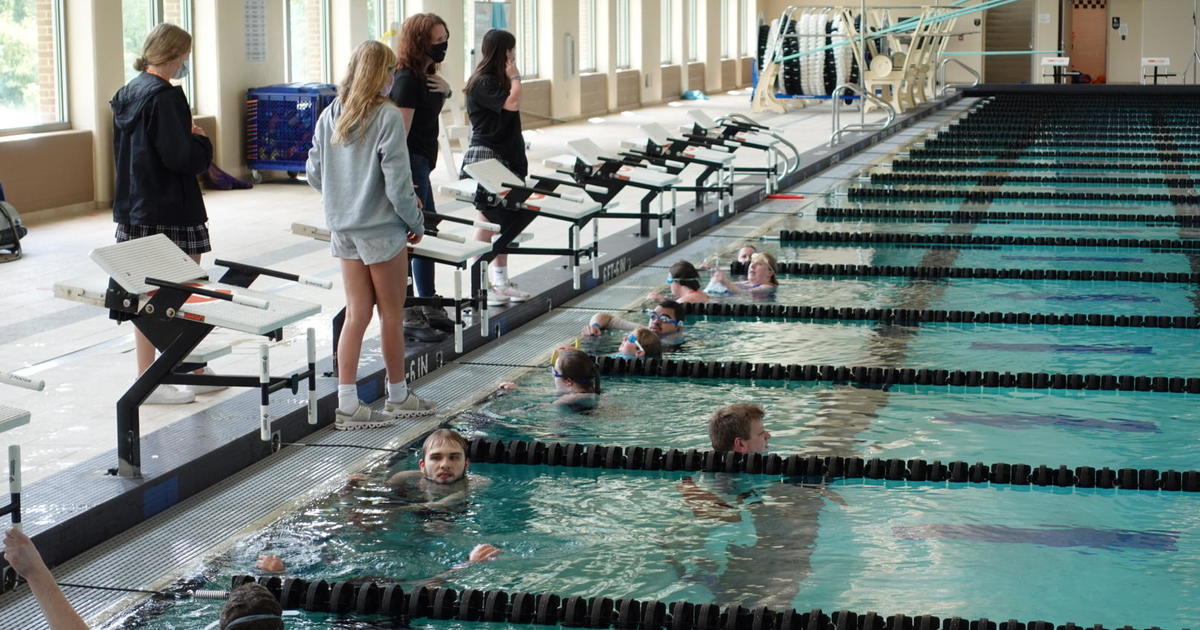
[387, 88]
[182, 71]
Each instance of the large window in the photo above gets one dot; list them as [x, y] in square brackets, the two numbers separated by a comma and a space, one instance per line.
[527, 34]
[667, 27]
[624, 56]
[729, 28]
[308, 41]
[384, 16]
[693, 22]
[31, 61]
[749, 20]
[138, 17]
[587, 36]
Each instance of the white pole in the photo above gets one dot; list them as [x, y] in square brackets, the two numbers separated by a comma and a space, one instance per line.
[264, 379]
[312, 375]
[14, 483]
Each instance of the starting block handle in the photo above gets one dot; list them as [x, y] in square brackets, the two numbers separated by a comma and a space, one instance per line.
[252, 302]
[482, 225]
[283, 275]
[14, 486]
[446, 236]
[36, 384]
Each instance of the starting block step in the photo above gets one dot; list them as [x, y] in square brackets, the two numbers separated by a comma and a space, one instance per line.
[11, 418]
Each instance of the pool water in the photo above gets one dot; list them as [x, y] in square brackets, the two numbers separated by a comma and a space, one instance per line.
[1061, 555]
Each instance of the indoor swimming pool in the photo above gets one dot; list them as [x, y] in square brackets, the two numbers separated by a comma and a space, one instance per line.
[1110, 556]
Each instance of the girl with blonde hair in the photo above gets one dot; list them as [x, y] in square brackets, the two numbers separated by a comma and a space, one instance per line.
[359, 163]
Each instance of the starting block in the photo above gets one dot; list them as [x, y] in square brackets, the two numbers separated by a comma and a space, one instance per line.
[457, 253]
[11, 418]
[170, 299]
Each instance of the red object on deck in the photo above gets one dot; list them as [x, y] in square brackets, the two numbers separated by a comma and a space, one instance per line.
[784, 196]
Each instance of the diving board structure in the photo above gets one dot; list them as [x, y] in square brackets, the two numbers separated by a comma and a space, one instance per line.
[659, 148]
[170, 299]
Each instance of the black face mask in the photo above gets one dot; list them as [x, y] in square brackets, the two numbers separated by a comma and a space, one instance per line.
[438, 52]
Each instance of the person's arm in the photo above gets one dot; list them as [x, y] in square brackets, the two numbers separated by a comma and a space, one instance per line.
[705, 504]
[513, 76]
[407, 113]
[397, 175]
[171, 126]
[602, 321]
[25, 559]
[719, 276]
[403, 477]
[312, 168]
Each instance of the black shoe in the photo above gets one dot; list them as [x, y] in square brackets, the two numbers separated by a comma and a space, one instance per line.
[437, 318]
[416, 327]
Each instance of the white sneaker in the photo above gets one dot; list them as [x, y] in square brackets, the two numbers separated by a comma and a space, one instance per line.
[204, 389]
[363, 418]
[169, 395]
[496, 299]
[511, 292]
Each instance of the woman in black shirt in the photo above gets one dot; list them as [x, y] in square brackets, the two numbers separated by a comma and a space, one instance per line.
[494, 104]
[420, 92]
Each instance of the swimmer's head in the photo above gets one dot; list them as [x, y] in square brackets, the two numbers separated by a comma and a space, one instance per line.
[744, 254]
[683, 273]
[762, 269]
[738, 428]
[667, 318]
[444, 456]
[251, 607]
[575, 369]
[641, 343]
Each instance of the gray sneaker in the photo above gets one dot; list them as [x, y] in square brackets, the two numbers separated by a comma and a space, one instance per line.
[363, 418]
[410, 407]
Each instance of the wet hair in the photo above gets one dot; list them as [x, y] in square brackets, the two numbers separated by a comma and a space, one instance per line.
[164, 43]
[675, 307]
[251, 599]
[493, 56]
[767, 259]
[685, 273]
[415, 41]
[446, 436]
[730, 422]
[579, 367]
[370, 69]
[649, 341]
[753, 250]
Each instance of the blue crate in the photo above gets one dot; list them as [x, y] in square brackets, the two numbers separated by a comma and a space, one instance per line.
[280, 120]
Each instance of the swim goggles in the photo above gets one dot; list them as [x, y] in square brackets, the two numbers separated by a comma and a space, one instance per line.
[632, 338]
[554, 354]
[671, 279]
[664, 319]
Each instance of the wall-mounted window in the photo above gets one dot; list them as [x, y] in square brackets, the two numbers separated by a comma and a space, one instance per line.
[32, 81]
[308, 41]
[693, 22]
[729, 28]
[587, 36]
[667, 28]
[383, 16]
[749, 28]
[527, 38]
[624, 54]
[138, 17]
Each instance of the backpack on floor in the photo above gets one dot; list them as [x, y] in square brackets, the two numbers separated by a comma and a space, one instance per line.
[11, 231]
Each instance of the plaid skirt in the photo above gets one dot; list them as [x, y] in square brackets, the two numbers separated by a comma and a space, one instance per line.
[192, 239]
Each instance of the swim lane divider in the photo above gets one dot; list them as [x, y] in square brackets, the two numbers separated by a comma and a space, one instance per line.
[574, 455]
[967, 239]
[548, 609]
[885, 376]
[908, 316]
[930, 273]
[975, 216]
[982, 196]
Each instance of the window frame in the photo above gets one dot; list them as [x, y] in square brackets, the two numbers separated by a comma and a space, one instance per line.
[62, 111]
[588, 54]
[624, 27]
[323, 13]
[693, 44]
[667, 54]
[527, 44]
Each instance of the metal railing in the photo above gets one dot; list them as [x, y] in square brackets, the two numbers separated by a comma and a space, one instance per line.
[940, 76]
[862, 125]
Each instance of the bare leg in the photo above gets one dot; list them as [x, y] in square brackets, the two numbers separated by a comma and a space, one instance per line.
[360, 301]
[390, 280]
[485, 236]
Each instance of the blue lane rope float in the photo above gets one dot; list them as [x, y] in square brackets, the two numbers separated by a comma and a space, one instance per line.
[575, 455]
[876, 376]
[549, 609]
[977, 216]
[795, 236]
[935, 272]
[908, 317]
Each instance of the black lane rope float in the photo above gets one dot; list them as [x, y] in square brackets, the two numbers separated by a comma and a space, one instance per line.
[948, 152]
[1011, 143]
[976, 216]
[933, 273]
[1012, 165]
[1034, 195]
[991, 179]
[906, 316]
[971, 239]
[813, 467]
[549, 609]
[875, 376]
[1143, 136]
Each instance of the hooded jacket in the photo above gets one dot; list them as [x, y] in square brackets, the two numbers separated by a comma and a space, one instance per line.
[156, 156]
